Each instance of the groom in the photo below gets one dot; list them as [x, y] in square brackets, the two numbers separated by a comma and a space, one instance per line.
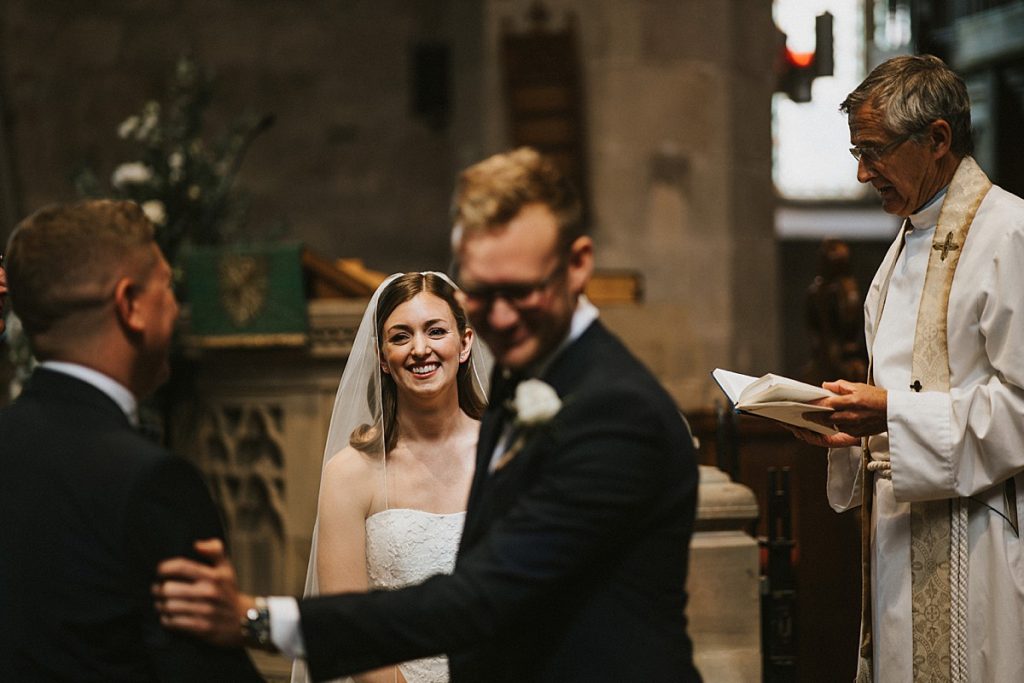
[573, 560]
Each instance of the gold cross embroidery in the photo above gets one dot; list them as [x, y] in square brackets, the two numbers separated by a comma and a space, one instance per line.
[946, 246]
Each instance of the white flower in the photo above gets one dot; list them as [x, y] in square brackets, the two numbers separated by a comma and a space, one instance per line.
[134, 173]
[176, 163]
[154, 210]
[127, 127]
[535, 403]
[150, 119]
[194, 192]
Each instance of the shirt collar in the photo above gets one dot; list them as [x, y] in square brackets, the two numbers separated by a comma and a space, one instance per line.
[927, 216]
[117, 392]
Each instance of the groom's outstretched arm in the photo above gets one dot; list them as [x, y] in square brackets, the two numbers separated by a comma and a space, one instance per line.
[602, 469]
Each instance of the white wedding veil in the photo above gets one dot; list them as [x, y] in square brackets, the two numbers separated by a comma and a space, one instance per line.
[358, 405]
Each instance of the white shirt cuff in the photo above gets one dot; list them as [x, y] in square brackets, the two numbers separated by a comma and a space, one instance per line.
[284, 626]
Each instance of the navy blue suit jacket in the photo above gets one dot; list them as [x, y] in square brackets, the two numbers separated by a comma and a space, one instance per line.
[88, 507]
[573, 560]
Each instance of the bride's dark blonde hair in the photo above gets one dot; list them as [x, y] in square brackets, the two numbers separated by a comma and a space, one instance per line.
[366, 437]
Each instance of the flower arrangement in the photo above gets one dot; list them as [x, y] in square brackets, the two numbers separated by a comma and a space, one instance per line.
[184, 183]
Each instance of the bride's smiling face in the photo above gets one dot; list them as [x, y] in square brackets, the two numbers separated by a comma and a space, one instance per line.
[422, 347]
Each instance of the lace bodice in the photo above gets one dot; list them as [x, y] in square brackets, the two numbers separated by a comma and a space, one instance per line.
[404, 547]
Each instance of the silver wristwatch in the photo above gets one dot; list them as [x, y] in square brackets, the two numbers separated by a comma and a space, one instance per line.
[256, 625]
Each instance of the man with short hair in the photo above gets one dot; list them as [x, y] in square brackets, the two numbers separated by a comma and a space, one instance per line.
[88, 505]
[942, 414]
[573, 560]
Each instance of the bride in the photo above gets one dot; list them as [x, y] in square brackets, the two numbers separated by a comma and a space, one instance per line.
[400, 452]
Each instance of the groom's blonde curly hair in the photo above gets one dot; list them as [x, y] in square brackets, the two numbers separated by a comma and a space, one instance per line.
[492, 192]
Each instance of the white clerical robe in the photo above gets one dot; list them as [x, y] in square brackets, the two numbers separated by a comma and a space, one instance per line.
[965, 443]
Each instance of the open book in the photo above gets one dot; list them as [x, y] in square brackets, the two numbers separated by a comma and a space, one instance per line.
[775, 397]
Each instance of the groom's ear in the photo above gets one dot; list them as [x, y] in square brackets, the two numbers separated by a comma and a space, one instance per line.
[580, 264]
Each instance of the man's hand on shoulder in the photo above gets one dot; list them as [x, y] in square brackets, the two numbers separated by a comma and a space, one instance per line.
[202, 599]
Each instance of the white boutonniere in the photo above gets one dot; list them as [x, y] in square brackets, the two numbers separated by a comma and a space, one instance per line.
[534, 405]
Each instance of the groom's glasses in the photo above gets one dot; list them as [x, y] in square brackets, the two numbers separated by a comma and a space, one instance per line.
[518, 295]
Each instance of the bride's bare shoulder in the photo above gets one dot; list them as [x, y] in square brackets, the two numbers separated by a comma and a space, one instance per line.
[352, 467]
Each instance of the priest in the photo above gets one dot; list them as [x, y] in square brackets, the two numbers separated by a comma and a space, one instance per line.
[932, 444]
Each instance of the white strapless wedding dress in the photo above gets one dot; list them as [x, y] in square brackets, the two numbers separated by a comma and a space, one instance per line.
[405, 547]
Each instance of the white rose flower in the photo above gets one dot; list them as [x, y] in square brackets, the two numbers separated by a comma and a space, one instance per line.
[127, 127]
[154, 210]
[134, 173]
[535, 403]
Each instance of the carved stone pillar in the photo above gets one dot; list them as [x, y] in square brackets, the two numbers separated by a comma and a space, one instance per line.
[255, 420]
[725, 609]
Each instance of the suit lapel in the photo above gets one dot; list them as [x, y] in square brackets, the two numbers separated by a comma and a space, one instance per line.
[576, 360]
[490, 432]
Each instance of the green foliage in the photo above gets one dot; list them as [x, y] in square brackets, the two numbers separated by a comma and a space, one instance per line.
[184, 183]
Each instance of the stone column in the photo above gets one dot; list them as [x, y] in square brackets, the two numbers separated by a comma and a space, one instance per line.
[724, 609]
[677, 101]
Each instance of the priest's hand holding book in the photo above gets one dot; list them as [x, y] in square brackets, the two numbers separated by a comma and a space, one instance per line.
[857, 410]
[834, 415]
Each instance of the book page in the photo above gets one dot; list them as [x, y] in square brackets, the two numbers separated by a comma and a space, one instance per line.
[731, 383]
[777, 388]
[774, 397]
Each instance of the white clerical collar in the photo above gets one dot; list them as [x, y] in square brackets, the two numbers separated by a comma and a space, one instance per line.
[927, 217]
[117, 392]
[582, 317]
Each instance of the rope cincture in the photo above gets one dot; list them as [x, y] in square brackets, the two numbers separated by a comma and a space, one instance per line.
[959, 558]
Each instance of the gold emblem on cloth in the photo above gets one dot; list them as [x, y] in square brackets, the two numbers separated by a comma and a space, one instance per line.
[243, 281]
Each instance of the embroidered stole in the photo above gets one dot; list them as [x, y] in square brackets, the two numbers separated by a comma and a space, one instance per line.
[938, 528]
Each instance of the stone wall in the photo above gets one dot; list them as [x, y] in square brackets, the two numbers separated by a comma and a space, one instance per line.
[677, 112]
[678, 106]
[347, 166]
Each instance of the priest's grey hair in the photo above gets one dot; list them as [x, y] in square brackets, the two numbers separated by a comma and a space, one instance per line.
[912, 91]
